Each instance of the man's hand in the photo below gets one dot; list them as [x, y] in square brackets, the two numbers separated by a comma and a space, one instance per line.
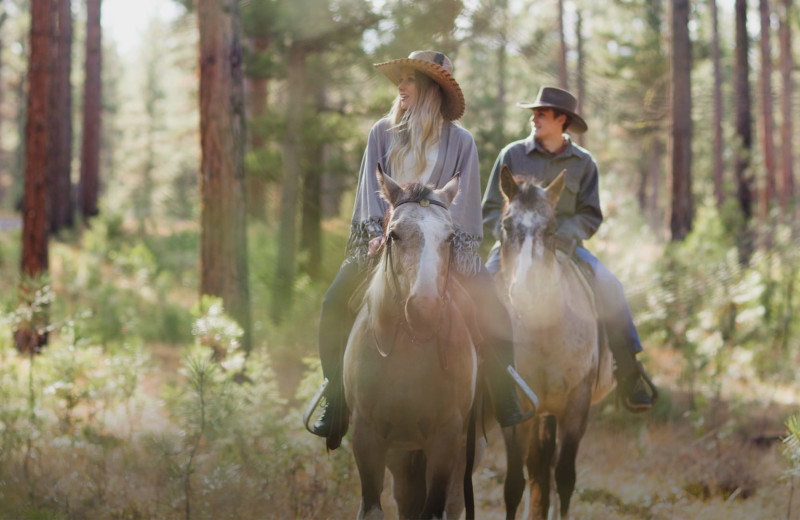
[567, 245]
[375, 245]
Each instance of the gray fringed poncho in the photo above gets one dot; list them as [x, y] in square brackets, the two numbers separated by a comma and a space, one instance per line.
[457, 153]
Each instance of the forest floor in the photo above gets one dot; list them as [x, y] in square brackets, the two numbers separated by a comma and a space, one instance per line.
[674, 462]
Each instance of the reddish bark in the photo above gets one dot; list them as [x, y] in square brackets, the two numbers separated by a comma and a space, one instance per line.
[767, 118]
[223, 238]
[34, 211]
[787, 184]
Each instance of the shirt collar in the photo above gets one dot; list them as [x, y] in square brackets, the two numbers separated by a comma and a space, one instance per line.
[532, 144]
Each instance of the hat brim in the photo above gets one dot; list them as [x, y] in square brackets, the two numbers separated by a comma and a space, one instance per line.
[578, 125]
[453, 104]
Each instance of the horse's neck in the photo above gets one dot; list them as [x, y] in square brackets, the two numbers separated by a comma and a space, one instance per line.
[381, 299]
[538, 293]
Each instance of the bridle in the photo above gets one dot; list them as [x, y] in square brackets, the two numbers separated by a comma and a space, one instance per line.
[389, 265]
[550, 240]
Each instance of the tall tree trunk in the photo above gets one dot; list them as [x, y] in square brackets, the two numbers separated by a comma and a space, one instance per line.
[28, 337]
[580, 76]
[143, 198]
[767, 121]
[61, 206]
[719, 194]
[787, 188]
[223, 237]
[90, 150]
[20, 120]
[311, 221]
[500, 101]
[656, 154]
[66, 209]
[3, 165]
[744, 179]
[682, 204]
[292, 148]
[54, 149]
[256, 182]
[563, 76]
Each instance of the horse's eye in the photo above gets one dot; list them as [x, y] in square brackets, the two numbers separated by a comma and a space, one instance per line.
[393, 236]
[506, 225]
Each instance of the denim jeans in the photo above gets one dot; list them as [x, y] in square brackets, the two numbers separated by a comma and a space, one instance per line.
[336, 319]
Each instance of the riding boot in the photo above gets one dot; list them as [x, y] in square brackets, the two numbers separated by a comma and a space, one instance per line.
[335, 418]
[628, 372]
[336, 320]
[632, 390]
[506, 404]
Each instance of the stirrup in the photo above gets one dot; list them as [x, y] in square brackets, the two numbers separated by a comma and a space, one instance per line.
[649, 382]
[312, 406]
[641, 373]
[522, 385]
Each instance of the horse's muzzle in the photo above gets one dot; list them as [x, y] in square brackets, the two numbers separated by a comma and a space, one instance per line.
[423, 314]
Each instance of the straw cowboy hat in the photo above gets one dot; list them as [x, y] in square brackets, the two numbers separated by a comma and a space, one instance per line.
[439, 68]
[552, 97]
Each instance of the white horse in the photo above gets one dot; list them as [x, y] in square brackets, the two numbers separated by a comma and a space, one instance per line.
[410, 366]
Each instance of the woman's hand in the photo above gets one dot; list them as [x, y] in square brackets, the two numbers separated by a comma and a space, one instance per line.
[375, 245]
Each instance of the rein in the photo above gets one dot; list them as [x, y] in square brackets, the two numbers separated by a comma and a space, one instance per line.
[389, 265]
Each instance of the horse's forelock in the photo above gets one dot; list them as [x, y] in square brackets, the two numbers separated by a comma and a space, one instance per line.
[416, 192]
[532, 197]
[530, 194]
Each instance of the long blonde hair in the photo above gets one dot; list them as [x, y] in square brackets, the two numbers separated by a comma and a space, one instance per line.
[415, 129]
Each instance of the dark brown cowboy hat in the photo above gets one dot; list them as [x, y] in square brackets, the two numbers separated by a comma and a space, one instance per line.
[552, 97]
[439, 68]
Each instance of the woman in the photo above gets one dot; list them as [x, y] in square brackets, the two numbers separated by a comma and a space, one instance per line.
[418, 141]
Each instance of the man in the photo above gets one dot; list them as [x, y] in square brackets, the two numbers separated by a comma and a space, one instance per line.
[543, 155]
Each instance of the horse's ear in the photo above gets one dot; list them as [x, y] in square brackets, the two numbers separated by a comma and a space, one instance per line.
[450, 190]
[555, 188]
[390, 190]
[508, 184]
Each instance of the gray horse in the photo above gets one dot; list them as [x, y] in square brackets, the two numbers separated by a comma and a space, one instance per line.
[556, 347]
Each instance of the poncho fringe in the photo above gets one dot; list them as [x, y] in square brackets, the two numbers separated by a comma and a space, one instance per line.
[465, 246]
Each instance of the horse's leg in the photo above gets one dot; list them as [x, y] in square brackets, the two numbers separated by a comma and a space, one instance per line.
[571, 430]
[540, 460]
[455, 504]
[408, 472]
[517, 439]
[441, 454]
[370, 454]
